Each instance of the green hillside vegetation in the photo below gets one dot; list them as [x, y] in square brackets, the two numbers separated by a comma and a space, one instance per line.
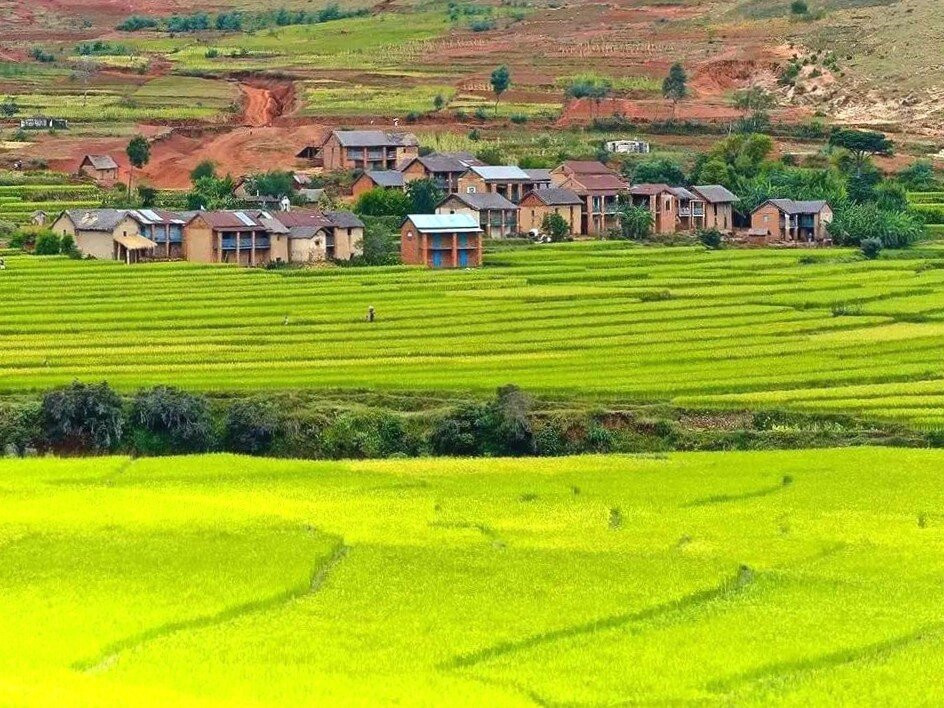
[821, 331]
[790, 577]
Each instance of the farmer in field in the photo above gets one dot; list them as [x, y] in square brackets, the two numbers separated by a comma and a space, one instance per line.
[370, 313]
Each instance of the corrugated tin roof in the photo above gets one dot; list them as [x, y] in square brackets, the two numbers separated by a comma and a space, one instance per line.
[538, 174]
[501, 173]
[435, 162]
[465, 223]
[715, 193]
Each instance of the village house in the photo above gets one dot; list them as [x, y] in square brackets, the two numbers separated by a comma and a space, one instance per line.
[245, 237]
[662, 201]
[364, 150]
[43, 123]
[319, 236]
[102, 168]
[537, 205]
[623, 147]
[719, 206]
[383, 179]
[445, 169]
[789, 220]
[511, 182]
[600, 190]
[165, 229]
[106, 234]
[441, 241]
[691, 209]
[497, 216]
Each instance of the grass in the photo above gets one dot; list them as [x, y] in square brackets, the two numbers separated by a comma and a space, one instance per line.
[739, 328]
[794, 577]
[330, 98]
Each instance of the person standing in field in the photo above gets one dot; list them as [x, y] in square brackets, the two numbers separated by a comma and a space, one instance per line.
[370, 313]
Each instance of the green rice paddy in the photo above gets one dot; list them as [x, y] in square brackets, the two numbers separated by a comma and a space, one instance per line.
[817, 331]
[797, 578]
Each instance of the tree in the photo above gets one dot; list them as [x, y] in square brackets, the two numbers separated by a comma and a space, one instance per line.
[212, 193]
[82, 418]
[590, 86]
[862, 144]
[165, 419]
[277, 183]
[675, 86]
[636, 222]
[659, 171]
[754, 98]
[9, 107]
[555, 226]
[799, 7]
[139, 154]
[464, 432]
[424, 196]
[251, 426]
[147, 195]
[439, 102]
[383, 202]
[205, 169]
[500, 81]
[919, 177]
[47, 244]
[513, 432]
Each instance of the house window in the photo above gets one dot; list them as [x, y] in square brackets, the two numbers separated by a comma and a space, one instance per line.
[470, 189]
[766, 218]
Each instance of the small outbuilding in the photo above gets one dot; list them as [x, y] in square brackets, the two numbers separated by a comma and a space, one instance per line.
[789, 220]
[102, 168]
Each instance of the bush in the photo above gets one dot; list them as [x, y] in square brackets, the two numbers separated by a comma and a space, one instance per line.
[871, 247]
[513, 433]
[799, 7]
[82, 418]
[67, 247]
[518, 118]
[710, 238]
[251, 426]
[481, 113]
[167, 420]
[47, 244]
[463, 432]
[19, 426]
[555, 226]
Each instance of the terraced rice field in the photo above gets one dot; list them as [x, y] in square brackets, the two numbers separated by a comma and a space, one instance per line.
[818, 331]
[19, 202]
[745, 578]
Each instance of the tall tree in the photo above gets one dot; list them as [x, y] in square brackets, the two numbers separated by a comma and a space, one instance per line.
[424, 195]
[139, 154]
[675, 86]
[500, 81]
[862, 144]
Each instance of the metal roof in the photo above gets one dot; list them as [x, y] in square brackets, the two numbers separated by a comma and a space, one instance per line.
[374, 138]
[451, 223]
[386, 178]
[501, 173]
[538, 174]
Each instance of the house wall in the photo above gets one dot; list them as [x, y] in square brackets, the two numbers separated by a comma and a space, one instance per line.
[198, 242]
[769, 219]
[719, 216]
[532, 212]
[278, 249]
[362, 184]
[411, 244]
[470, 183]
[332, 154]
[406, 153]
[63, 226]
[308, 250]
[348, 242]
[666, 213]
[416, 170]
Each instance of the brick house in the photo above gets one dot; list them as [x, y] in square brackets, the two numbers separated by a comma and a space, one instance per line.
[497, 216]
[663, 203]
[789, 220]
[321, 236]
[511, 182]
[165, 229]
[441, 241]
[102, 168]
[719, 206]
[244, 237]
[364, 150]
[384, 179]
[444, 168]
[535, 206]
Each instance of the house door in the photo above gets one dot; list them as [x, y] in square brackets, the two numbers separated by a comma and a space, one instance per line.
[463, 259]
[437, 259]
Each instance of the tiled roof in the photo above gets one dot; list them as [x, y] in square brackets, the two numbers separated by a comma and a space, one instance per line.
[792, 207]
[218, 220]
[96, 219]
[715, 193]
[374, 138]
[649, 189]
[598, 183]
[586, 167]
[344, 220]
[101, 162]
[483, 201]
[556, 196]
[386, 178]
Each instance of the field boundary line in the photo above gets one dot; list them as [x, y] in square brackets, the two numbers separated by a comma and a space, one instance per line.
[726, 588]
[110, 655]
